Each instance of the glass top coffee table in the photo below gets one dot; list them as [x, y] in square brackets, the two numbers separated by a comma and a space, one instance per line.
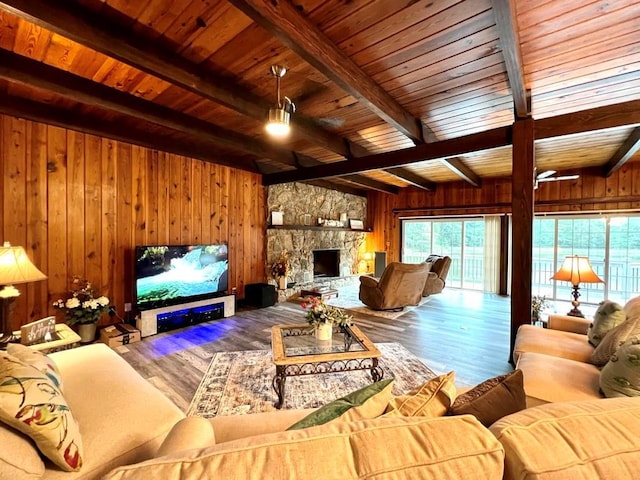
[296, 351]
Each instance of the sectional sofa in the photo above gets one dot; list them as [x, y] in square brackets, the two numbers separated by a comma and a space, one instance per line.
[133, 431]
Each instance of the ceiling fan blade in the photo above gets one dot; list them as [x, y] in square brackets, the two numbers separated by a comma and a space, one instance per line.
[545, 174]
[555, 179]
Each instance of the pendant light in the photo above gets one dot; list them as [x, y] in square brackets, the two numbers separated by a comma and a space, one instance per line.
[280, 115]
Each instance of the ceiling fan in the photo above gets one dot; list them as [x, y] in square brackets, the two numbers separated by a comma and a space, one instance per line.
[548, 176]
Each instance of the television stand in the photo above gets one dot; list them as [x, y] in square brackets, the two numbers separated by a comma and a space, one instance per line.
[158, 320]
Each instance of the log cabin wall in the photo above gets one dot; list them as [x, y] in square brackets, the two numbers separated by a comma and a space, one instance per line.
[590, 193]
[79, 204]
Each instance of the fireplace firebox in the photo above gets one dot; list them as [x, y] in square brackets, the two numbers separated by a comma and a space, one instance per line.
[326, 263]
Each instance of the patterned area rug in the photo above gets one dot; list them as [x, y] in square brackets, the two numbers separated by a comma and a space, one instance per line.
[240, 382]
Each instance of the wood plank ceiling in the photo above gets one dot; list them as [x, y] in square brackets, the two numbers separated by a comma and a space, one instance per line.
[389, 93]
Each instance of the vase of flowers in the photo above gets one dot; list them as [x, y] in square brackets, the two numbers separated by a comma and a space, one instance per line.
[280, 270]
[323, 317]
[83, 308]
[538, 303]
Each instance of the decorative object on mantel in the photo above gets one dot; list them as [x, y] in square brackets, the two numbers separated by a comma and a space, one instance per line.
[15, 267]
[277, 218]
[356, 224]
[83, 308]
[280, 270]
[323, 317]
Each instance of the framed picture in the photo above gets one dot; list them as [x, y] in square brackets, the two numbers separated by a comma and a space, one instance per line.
[277, 218]
[356, 224]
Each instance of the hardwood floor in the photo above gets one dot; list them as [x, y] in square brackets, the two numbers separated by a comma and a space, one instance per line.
[456, 330]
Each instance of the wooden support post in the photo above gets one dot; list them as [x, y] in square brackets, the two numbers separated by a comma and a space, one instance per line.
[522, 222]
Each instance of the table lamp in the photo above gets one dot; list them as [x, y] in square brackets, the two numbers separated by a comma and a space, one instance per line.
[576, 269]
[367, 258]
[15, 267]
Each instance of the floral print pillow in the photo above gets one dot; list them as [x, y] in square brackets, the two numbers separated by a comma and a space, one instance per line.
[38, 360]
[31, 402]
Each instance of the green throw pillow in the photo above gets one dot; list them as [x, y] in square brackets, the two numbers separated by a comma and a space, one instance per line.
[608, 316]
[620, 377]
[368, 402]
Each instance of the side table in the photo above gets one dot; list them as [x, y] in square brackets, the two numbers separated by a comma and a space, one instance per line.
[65, 338]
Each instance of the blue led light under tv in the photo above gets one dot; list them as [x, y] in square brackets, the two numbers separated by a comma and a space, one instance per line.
[174, 274]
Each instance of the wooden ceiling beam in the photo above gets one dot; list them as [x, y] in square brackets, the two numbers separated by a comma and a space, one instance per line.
[627, 150]
[599, 118]
[457, 166]
[16, 68]
[412, 178]
[285, 22]
[95, 32]
[505, 14]
[487, 140]
[371, 183]
[59, 117]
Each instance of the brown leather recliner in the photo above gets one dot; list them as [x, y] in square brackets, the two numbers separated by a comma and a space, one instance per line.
[400, 285]
[436, 279]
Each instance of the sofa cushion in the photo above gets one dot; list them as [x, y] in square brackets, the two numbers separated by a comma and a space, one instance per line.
[579, 440]
[38, 360]
[555, 379]
[608, 316]
[19, 457]
[620, 377]
[558, 343]
[368, 402]
[381, 449]
[188, 433]
[492, 399]
[614, 338]
[431, 399]
[33, 404]
[122, 417]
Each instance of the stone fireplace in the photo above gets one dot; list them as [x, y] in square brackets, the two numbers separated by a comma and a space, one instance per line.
[299, 237]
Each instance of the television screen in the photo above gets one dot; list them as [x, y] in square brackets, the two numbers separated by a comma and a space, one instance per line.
[169, 275]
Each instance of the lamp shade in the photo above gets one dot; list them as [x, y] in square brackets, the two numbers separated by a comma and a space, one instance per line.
[15, 266]
[577, 269]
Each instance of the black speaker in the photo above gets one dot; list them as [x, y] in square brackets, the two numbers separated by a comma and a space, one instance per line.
[260, 295]
[380, 262]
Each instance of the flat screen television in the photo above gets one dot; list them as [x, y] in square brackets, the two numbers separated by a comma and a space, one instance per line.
[173, 274]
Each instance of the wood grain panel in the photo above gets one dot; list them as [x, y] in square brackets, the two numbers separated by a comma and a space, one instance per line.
[79, 204]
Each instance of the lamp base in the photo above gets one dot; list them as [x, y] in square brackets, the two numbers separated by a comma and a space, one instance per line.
[575, 312]
[7, 339]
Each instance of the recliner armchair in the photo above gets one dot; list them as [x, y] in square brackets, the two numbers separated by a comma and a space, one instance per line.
[400, 285]
[436, 279]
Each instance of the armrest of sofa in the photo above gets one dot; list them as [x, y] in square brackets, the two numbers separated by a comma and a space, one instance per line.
[368, 282]
[188, 433]
[568, 323]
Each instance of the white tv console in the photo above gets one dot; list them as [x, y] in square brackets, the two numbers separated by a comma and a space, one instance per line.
[147, 322]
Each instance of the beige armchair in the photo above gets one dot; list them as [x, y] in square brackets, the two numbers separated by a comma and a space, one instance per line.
[400, 285]
[436, 280]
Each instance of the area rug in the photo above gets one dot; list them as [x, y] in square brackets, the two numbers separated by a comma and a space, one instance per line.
[240, 382]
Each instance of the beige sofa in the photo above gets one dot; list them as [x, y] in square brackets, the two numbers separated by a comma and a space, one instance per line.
[123, 419]
[556, 361]
[124, 423]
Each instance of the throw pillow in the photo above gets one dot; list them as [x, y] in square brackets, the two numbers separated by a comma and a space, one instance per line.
[431, 399]
[613, 339]
[620, 377]
[492, 399]
[32, 404]
[608, 316]
[38, 360]
[368, 402]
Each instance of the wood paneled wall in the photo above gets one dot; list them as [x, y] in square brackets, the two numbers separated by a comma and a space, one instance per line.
[79, 204]
[591, 192]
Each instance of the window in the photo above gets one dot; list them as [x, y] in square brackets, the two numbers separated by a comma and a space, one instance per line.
[462, 240]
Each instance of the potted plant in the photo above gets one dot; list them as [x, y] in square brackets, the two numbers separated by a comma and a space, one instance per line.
[82, 307]
[323, 317]
[538, 303]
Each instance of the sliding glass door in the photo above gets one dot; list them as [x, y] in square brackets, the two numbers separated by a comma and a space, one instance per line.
[462, 240]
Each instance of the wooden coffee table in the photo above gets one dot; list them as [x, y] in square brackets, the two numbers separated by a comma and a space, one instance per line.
[297, 352]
